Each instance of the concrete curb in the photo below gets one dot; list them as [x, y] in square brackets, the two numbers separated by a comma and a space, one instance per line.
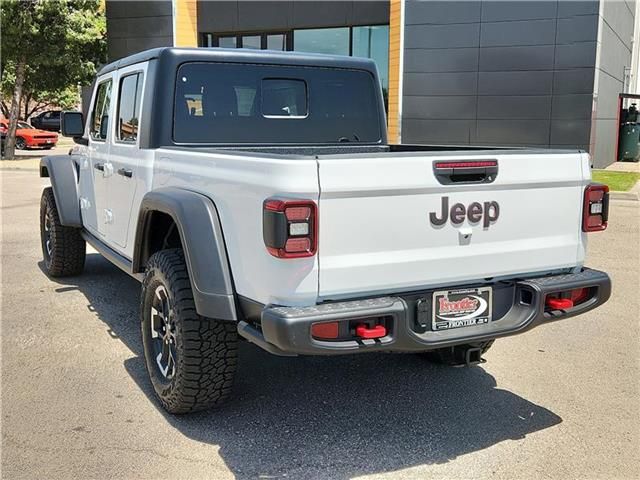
[632, 194]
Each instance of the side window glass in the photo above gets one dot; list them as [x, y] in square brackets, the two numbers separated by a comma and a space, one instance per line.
[100, 114]
[129, 107]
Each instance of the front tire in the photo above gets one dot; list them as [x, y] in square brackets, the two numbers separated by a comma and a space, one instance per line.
[21, 144]
[191, 360]
[63, 248]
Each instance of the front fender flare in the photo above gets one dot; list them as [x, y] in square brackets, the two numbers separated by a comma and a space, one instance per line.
[63, 173]
[198, 224]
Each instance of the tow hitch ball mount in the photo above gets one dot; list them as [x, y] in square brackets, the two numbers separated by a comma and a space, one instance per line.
[473, 356]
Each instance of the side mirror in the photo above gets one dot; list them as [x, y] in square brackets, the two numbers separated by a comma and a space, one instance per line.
[72, 125]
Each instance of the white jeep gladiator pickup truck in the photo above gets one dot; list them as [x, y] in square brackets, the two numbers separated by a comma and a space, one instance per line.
[254, 194]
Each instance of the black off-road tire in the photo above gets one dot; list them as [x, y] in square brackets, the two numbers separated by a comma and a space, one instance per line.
[203, 350]
[454, 356]
[63, 248]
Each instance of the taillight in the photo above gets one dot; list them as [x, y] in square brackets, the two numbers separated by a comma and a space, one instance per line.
[290, 227]
[595, 210]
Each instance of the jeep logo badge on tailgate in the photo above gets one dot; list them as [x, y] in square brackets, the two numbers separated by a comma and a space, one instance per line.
[488, 212]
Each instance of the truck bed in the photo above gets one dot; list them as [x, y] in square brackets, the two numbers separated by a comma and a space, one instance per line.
[348, 150]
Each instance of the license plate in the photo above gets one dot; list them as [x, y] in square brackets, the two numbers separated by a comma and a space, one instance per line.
[461, 308]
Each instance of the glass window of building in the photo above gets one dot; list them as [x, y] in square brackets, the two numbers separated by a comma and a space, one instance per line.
[277, 42]
[227, 42]
[333, 41]
[252, 41]
[373, 42]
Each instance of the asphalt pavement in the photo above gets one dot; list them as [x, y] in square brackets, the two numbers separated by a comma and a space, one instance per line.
[561, 401]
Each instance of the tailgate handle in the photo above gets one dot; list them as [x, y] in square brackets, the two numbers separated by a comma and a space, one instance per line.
[472, 171]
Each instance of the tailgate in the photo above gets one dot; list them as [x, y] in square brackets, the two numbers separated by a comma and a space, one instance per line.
[381, 225]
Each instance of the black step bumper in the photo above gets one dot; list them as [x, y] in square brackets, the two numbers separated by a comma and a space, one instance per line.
[287, 330]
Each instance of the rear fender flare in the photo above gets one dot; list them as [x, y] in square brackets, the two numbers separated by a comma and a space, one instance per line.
[198, 224]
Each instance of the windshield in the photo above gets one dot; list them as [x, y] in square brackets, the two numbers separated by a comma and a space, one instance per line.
[265, 104]
[24, 125]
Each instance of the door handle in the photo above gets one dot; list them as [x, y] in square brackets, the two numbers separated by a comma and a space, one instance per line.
[99, 166]
[125, 172]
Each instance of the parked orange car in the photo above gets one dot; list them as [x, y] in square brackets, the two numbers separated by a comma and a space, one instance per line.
[29, 137]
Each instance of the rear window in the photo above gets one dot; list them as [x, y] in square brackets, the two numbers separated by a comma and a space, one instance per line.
[263, 104]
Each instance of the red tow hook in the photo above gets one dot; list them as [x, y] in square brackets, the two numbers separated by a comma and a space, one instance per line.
[376, 332]
[559, 303]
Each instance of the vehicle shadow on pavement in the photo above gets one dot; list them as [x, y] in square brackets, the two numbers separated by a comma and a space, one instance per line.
[328, 417]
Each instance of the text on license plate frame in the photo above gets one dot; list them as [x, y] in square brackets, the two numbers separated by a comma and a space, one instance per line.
[465, 307]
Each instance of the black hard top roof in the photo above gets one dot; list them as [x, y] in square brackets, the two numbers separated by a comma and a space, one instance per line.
[241, 55]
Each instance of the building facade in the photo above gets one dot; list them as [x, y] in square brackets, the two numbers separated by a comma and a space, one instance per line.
[545, 73]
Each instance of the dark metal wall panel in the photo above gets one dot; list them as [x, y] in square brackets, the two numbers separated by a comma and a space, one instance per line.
[137, 27]
[515, 83]
[578, 80]
[444, 12]
[219, 16]
[370, 13]
[534, 64]
[531, 57]
[248, 16]
[463, 83]
[438, 131]
[134, 26]
[575, 55]
[570, 132]
[266, 15]
[444, 107]
[442, 36]
[580, 28]
[441, 60]
[513, 132]
[137, 8]
[523, 32]
[532, 107]
[501, 10]
[588, 7]
[578, 106]
[320, 14]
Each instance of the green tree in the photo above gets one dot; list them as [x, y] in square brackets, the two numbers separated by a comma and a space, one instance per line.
[48, 48]
[41, 89]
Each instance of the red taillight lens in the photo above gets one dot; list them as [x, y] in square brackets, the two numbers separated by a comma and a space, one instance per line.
[595, 210]
[470, 164]
[325, 330]
[290, 227]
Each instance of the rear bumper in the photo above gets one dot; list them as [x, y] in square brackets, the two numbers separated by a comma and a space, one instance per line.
[287, 330]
